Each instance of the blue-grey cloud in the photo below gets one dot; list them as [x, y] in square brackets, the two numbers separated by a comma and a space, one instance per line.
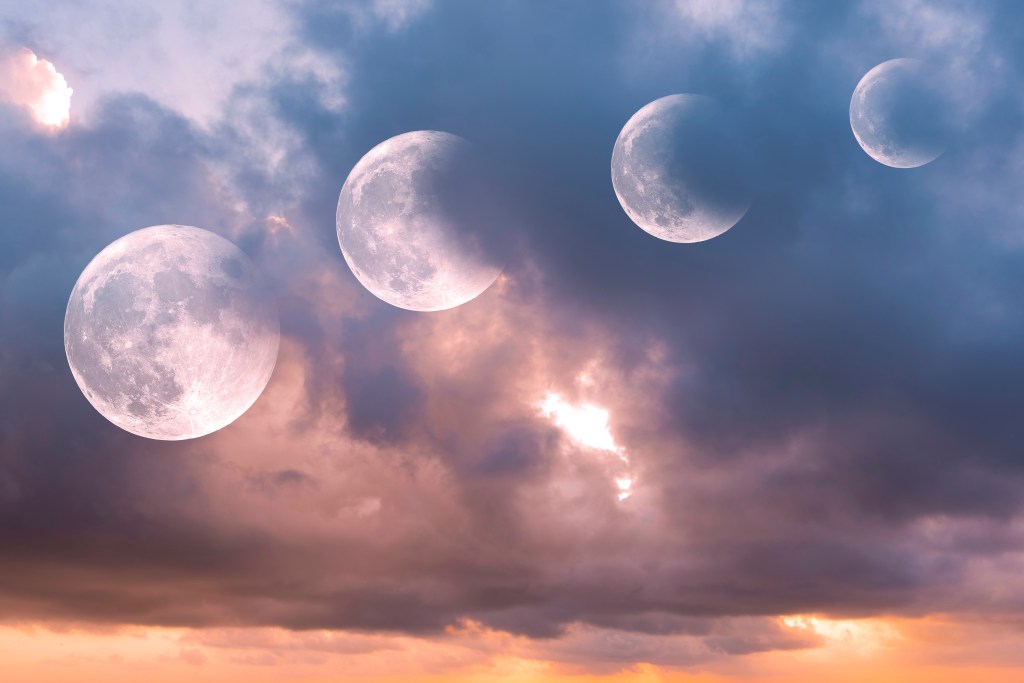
[805, 399]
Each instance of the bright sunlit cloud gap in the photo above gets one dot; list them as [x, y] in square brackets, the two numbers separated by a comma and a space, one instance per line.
[859, 635]
[29, 81]
[586, 424]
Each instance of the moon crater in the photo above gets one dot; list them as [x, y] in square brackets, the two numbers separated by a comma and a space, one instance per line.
[897, 114]
[679, 169]
[416, 222]
[169, 334]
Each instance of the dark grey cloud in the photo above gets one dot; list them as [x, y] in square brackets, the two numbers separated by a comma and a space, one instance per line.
[800, 398]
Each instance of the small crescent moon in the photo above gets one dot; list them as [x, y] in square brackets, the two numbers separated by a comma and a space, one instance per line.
[894, 114]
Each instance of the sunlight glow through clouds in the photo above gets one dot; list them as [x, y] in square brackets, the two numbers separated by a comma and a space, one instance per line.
[35, 83]
[466, 653]
[587, 425]
[856, 635]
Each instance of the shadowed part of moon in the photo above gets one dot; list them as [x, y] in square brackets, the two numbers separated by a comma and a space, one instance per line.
[897, 112]
[169, 334]
[416, 223]
[679, 169]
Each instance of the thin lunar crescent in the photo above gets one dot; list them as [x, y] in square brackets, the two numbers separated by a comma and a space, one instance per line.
[169, 334]
[413, 224]
[895, 114]
[678, 170]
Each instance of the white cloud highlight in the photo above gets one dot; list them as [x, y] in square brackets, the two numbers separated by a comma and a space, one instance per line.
[36, 84]
[587, 425]
[188, 55]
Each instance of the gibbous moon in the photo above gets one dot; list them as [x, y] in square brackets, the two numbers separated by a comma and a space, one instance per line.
[169, 334]
[414, 223]
[896, 114]
[678, 169]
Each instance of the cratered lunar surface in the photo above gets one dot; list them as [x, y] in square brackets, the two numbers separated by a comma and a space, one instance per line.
[169, 333]
[897, 114]
[414, 222]
[680, 171]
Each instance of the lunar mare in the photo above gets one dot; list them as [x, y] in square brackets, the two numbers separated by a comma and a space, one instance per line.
[895, 114]
[678, 169]
[413, 222]
[169, 334]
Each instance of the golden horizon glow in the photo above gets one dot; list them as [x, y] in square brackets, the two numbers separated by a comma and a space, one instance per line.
[900, 651]
[857, 635]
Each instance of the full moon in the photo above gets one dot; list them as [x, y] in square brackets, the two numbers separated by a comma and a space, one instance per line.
[169, 333]
[414, 222]
[678, 169]
[896, 114]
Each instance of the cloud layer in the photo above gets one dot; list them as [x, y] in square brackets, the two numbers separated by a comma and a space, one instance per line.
[819, 406]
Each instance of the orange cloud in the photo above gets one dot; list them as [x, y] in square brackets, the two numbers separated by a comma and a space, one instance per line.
[35, 83]
[32, 654]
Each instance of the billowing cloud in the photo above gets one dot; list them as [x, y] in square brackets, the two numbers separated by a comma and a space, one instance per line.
[201, 52]
[816, 411]
[34, 83]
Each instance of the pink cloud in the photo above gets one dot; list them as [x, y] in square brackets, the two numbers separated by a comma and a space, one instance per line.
[35, 83]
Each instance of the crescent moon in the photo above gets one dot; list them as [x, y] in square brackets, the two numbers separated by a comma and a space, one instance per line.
[895, 114]
[677, 170]
[412, 226]
[169, 334]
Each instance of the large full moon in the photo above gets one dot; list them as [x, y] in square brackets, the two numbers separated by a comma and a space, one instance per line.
[678, 169]
[414, 222]
[169, 333]
[896, 114]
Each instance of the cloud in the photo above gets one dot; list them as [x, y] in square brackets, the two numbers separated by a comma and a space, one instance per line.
[818, 406]
[201, 52]
[747, 27]
[397, 13]
[34, 83]
[956, 39]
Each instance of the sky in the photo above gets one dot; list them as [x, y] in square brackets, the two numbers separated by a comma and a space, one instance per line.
[789, 453]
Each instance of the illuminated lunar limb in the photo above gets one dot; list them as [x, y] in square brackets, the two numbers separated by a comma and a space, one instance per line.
[416, 223]
[169, 334]
[680, 169]
[897, 114]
